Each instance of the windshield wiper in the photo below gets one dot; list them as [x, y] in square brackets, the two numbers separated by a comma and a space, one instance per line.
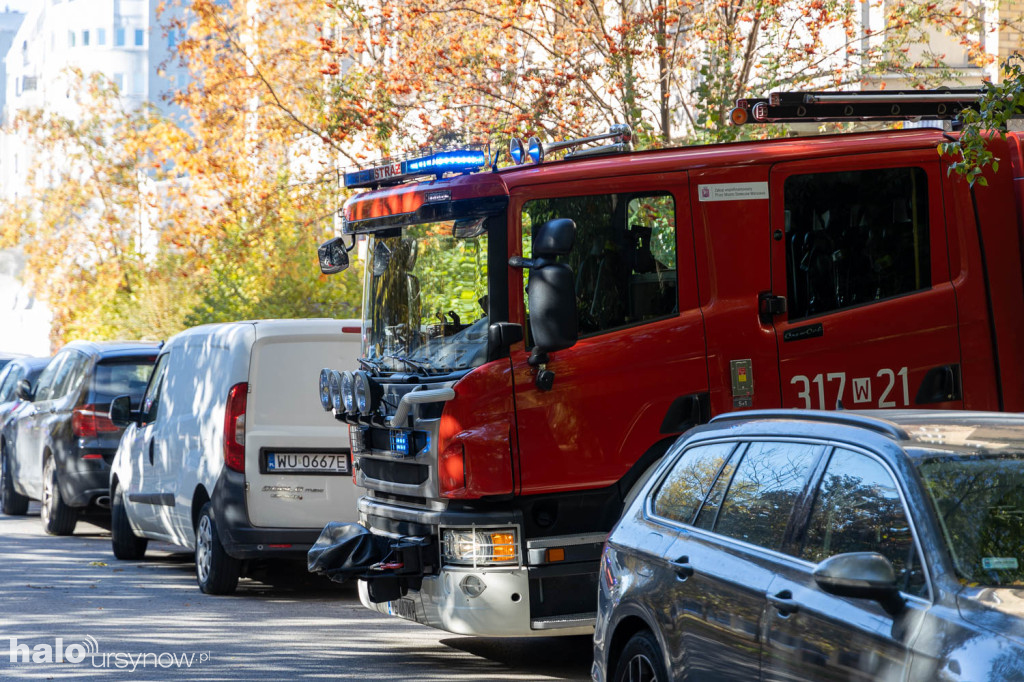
[375, 366]
[418, 366]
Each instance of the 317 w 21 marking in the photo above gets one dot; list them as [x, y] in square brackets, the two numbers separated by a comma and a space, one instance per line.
[894, 385]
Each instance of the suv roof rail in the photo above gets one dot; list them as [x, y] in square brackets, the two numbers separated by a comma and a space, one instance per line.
[875, 424]
[857, 105]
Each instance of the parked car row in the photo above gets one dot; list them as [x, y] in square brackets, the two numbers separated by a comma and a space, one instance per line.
[213, 441]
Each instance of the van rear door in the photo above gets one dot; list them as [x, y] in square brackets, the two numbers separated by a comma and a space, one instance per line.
[859, 258]
[297, 460]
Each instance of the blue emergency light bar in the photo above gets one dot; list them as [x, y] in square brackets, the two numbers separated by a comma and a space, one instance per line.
[436, 163]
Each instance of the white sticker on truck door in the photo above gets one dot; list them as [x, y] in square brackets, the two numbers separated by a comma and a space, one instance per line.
[733, 191]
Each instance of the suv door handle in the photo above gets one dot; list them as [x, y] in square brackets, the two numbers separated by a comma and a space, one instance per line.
[682, 567]
[784, 603]
[150, 451]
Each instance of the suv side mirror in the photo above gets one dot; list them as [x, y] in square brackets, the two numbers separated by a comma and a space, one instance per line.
[551, 290]
[860, 575]
[333, 256]
[23, 391]
[121, 411]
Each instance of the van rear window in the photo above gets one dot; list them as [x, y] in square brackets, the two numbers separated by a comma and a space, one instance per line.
[114, 378]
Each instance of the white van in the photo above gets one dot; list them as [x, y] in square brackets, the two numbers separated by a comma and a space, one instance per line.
[230, 452]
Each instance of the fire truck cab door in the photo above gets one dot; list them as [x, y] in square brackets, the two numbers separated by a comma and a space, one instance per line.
[859, 264]
[641, 343]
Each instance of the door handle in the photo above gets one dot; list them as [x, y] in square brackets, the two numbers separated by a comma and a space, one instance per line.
[784, 603]
[770, 305]
[151, 452]
[682, 567]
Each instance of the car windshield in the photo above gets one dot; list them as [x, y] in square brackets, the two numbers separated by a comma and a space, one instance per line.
[425, 299]
[979, 500]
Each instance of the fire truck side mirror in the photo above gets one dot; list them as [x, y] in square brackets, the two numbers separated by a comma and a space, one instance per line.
[552, 290]
[333, 256]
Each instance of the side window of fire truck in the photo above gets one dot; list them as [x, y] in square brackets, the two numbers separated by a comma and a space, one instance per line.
[854, 237]
[624, 259]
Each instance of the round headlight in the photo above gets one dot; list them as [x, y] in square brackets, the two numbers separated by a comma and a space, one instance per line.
[348, 398]
[361, 389]
[334, 388]
[325, 389]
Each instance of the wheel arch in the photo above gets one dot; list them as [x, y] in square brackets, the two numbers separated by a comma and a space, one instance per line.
[623, 632]
[199, 498]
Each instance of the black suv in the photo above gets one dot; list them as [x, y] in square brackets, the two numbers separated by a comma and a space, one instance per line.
[799, 545]
[59, 445]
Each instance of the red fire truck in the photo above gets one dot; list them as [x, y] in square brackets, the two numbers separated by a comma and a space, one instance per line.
[536, 336]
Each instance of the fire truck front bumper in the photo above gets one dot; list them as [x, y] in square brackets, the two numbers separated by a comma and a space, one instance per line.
[474, 601]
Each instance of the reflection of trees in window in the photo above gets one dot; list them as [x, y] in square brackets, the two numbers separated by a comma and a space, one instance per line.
[760, 499]
[854, 237]
[688, 483]
[857, 508]
[980, 504]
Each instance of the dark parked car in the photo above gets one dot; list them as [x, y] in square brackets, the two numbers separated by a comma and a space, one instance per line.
[60, 445]
[798, 545]
[7, 357]
[14, 372]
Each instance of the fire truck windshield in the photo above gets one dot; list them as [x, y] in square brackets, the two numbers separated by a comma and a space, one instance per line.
[425, 298]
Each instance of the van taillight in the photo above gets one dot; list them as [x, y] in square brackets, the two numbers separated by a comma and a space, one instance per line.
[86, 423]
[234, 428]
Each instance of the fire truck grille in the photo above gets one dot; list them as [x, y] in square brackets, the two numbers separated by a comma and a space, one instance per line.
[395, 472]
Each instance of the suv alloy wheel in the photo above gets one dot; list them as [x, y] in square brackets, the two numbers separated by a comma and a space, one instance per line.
[641, 660]
[57, 517]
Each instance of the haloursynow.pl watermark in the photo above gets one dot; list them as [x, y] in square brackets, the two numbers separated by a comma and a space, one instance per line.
[87, 652]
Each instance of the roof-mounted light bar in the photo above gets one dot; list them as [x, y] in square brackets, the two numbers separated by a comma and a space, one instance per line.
[856, 105]
[435, 162]
[536, 151]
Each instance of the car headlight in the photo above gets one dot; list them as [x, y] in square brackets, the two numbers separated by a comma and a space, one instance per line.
[348, 398]
[474, 546]
[334, 386]
[325, 389]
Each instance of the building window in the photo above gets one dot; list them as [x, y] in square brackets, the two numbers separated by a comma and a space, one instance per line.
[29, 83]
[119, 37]
[101, 36]
[85, 38]
[71, 38]
[140, 37]
[119, 82]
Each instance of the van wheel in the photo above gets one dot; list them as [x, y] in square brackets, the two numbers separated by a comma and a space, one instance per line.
[11, 503]
[216, 572]
[126, 544]
[58, 518]
[641, 660]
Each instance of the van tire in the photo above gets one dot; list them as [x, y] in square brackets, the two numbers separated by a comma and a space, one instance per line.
[125, 543]
[12, 504]
[216, 572]
[57, 517]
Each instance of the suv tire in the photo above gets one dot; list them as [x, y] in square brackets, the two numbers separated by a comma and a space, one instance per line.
[11, 503]
[641, 660]
[126, 544]
[57, 517]
[216, 572]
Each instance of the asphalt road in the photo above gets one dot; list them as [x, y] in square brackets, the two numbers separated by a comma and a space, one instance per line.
[147, 620]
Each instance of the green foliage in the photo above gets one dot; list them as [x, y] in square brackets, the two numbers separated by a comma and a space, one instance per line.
[999, 103]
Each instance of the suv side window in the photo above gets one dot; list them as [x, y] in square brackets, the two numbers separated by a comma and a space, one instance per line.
[70, 376]
[689, 482]
[45, 383]
[9, 378]
[760, 499]
[624, 257]
[853, 237]
[857, 508]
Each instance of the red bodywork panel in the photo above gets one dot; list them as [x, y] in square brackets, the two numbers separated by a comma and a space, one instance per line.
[612, 390]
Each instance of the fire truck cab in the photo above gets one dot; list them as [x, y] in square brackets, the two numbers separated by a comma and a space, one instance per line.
[536, 336]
